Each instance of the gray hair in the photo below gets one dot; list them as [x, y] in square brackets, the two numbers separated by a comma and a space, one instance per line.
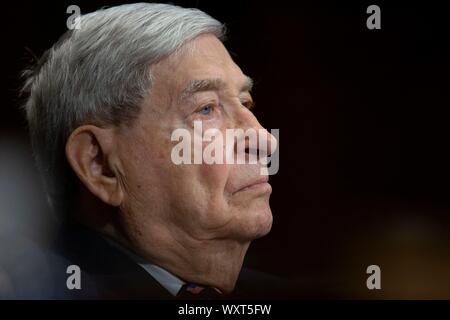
[100, 74]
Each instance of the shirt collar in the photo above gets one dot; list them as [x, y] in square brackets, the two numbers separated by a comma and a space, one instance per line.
[169, 281]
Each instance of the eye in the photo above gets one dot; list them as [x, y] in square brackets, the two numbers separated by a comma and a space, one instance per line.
[248, 104]
[206, 110]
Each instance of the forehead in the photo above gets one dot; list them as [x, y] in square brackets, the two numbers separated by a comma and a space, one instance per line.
[204, 57]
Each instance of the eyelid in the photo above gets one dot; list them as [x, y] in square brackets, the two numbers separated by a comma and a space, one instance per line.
[249, 104]
[203, 105]
[214, 106]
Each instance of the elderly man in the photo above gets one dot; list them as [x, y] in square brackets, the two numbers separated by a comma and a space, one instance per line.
[103, 104]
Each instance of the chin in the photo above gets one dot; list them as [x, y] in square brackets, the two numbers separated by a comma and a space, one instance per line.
[264, 223]
[259, 224]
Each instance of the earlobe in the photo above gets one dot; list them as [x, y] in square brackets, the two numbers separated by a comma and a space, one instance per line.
[89, 151]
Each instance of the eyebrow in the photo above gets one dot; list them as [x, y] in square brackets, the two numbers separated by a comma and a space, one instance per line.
[200, 85]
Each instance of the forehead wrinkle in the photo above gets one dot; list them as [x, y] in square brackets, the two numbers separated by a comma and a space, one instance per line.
[200, 85]
[214, 84]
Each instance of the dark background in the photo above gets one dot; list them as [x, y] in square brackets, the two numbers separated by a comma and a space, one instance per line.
[363, 118]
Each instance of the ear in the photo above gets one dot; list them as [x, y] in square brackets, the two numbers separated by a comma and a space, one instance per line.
[90, 152]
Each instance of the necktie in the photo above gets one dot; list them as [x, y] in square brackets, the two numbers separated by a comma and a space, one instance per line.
[193, 291]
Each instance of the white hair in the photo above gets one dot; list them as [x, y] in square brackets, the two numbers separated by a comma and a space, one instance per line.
[99, 74]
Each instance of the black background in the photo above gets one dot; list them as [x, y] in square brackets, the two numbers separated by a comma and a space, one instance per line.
[363, 118]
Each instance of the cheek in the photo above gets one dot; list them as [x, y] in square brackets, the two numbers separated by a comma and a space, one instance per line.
[146, 166]
[190, 195]
[201, 200]
[209, 181]
[214, 177]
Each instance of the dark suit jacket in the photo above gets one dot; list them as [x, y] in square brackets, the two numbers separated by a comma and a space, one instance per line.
[107, 272]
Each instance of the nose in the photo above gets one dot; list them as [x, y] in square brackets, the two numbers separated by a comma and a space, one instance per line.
[266, 143]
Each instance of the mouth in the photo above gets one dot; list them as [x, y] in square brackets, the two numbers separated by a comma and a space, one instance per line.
[260, 185]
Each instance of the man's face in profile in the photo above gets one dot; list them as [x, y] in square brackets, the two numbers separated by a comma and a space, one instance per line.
[202, 201]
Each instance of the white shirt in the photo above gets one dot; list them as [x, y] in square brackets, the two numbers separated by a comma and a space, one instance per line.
[172, 283]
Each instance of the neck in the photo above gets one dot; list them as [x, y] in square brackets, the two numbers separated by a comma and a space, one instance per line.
[209, 262]
[216, 263]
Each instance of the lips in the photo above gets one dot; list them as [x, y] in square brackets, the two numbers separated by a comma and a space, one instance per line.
[260, 183]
